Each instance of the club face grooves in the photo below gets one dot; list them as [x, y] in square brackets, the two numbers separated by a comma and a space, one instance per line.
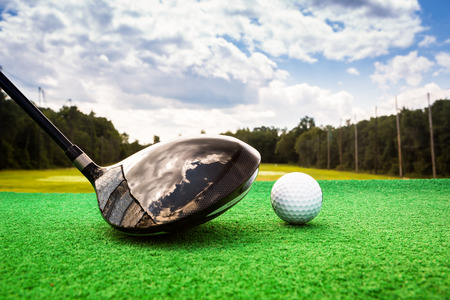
[118, 207]
[121, 206]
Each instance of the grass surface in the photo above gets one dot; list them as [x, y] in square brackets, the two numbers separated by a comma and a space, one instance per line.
[45, 181]
[72, 181]
[372, 239]
[270, 172]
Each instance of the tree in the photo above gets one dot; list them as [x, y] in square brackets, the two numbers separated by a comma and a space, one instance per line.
[285, 147]
[441, 125]
[264, 139]
[307, 146]
[95, 135]
[305, 124]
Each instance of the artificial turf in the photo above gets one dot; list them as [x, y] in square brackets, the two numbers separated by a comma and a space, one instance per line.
[372, 239]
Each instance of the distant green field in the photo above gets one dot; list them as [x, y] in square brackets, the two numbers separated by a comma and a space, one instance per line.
[270, 172]
[44, 181]
[72, 181]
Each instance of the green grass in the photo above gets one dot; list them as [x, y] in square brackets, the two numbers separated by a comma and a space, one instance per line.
[270, 172]
[72, 181]
[44, 181]
[384, 239]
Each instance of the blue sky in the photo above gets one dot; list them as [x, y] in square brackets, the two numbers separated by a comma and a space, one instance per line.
[179, 67]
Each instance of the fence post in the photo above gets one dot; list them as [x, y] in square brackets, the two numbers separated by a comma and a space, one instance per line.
[375, 160]
[340, 143]
[433, 161]
[356, 146]
[328, 146]
[400, 168]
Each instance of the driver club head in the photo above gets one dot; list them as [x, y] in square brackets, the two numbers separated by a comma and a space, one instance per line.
[176, 184]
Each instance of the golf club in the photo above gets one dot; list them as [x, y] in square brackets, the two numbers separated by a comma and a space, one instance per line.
[165, 187]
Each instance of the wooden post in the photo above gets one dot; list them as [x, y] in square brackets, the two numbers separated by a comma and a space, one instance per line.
[318, 150]
[356, 146]
[340, 143]
[400, 168]
[328, 146]
[69, 123]
[375, 160]
[433, 161]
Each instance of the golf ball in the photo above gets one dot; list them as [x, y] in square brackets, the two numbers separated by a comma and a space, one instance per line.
[296, 198]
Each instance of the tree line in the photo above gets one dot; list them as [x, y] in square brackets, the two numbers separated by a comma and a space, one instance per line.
[324, 147]
[25, 146]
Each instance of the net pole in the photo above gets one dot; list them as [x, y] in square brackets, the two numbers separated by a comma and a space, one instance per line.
[433, 161]
[400, 167]
[356, 146]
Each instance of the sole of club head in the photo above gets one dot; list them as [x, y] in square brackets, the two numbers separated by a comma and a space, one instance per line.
[177, 184]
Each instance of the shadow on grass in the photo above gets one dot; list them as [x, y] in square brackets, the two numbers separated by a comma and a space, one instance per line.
[306, 227]
[203, 236]
[224, 235]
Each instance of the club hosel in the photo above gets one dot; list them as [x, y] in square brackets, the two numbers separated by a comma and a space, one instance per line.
[83, 163]
[78, 157]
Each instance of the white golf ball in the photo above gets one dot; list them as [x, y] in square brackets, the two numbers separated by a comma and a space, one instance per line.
[296, 198]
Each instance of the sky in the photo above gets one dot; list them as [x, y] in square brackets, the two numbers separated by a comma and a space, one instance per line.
[171, 68]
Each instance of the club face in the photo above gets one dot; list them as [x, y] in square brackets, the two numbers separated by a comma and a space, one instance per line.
[176, 184]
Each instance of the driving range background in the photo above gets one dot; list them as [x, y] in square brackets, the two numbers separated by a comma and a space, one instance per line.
[169, 68]
[372, 239]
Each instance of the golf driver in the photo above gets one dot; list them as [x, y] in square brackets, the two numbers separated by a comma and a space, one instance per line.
[165, 187]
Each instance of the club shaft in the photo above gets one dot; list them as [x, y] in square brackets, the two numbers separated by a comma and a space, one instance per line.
[34, 113]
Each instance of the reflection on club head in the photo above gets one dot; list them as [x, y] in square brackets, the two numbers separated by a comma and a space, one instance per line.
[176, 184]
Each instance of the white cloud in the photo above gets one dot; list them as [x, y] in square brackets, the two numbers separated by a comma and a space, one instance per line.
[427, 41]
[353, 71]
[279, 105]
[408, 68]
[415, 98]
[291, 102]
[365, 28]
[182, 66]
[443, 60]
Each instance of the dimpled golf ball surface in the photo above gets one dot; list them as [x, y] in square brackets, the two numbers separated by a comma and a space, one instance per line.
[296, 198]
